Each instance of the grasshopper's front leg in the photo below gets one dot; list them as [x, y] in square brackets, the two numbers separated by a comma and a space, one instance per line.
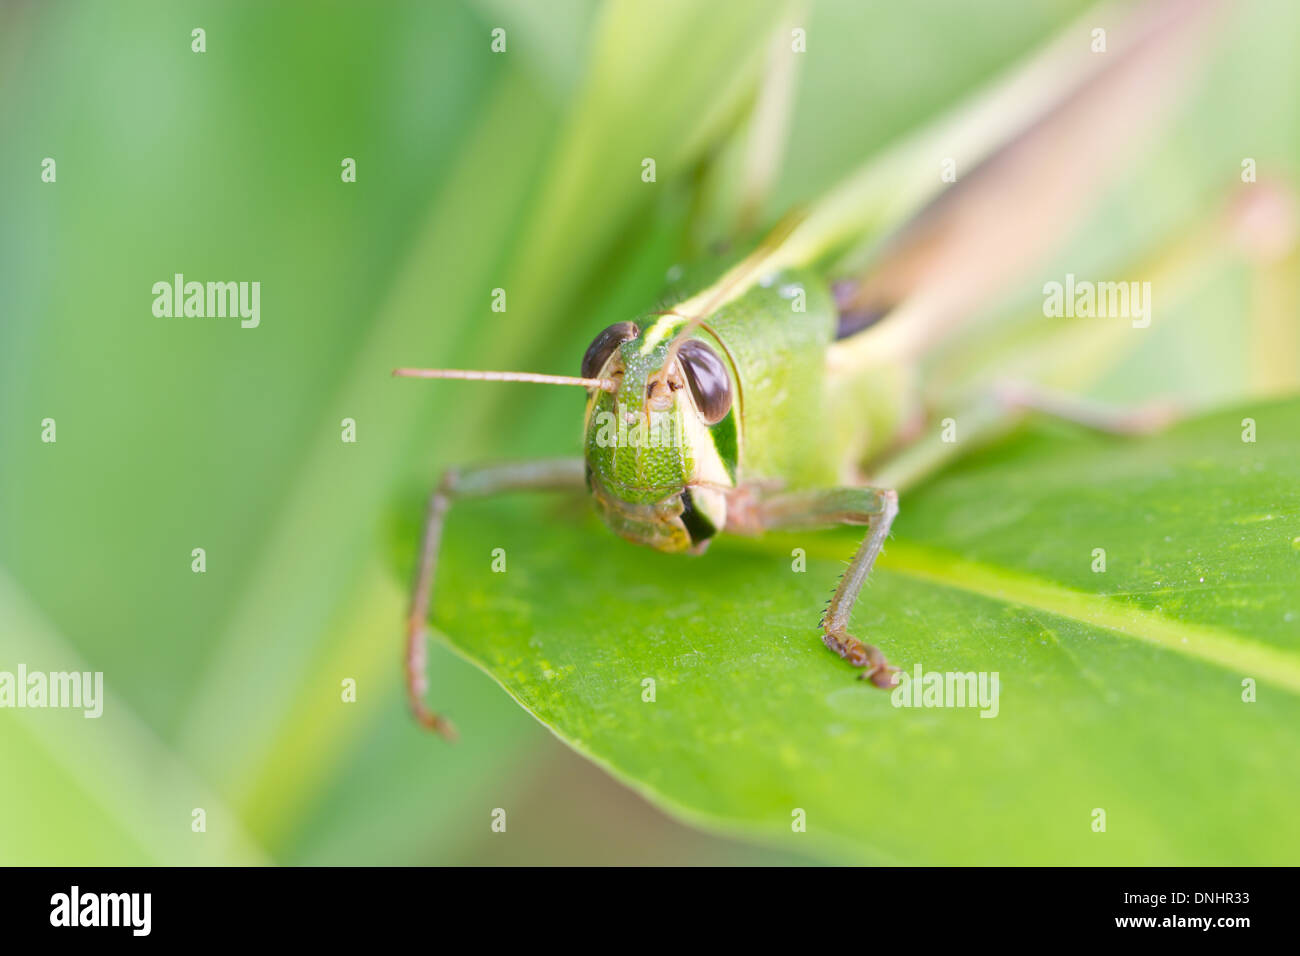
[457, 483]
[874, 507]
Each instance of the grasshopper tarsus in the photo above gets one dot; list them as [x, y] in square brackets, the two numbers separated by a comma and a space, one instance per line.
[441, 726]
[417, 683]
[876, 668]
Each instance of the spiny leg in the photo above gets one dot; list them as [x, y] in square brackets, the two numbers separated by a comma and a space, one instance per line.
[1126, 420]
[1256, 225]
[475, 482]
[999, 409]
[874, 507]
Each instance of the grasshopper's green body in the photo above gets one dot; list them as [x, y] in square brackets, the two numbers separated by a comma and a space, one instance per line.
[765, 387]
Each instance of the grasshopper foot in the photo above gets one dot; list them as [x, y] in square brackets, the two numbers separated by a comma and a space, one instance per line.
[875, 668]
[439, 725]
[417, 682]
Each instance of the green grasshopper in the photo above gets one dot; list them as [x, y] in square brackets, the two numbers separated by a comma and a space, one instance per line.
[766, 387]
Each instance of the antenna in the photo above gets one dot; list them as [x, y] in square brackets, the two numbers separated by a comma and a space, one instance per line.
[473, 375]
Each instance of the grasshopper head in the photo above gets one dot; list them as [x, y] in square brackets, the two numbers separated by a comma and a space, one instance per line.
[661, 443]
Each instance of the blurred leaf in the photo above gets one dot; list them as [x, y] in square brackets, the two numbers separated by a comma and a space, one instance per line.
[1120, 691]
[551, 35]
[109, 791]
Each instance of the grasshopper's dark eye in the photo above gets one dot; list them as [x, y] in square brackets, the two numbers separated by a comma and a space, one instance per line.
[707, 376]
[603, 345]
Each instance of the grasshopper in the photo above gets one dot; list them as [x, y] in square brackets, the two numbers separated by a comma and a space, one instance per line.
[781, 387]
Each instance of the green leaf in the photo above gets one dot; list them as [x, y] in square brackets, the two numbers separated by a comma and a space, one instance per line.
[1120, 691]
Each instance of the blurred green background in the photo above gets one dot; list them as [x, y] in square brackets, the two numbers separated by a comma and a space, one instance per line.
[475, 171]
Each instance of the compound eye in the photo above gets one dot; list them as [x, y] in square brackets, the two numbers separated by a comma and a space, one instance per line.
[603, 345]
[708, 379]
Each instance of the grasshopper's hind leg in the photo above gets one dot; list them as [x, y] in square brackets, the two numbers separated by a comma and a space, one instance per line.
[874, 507]
[999, 409]
[476, 482]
